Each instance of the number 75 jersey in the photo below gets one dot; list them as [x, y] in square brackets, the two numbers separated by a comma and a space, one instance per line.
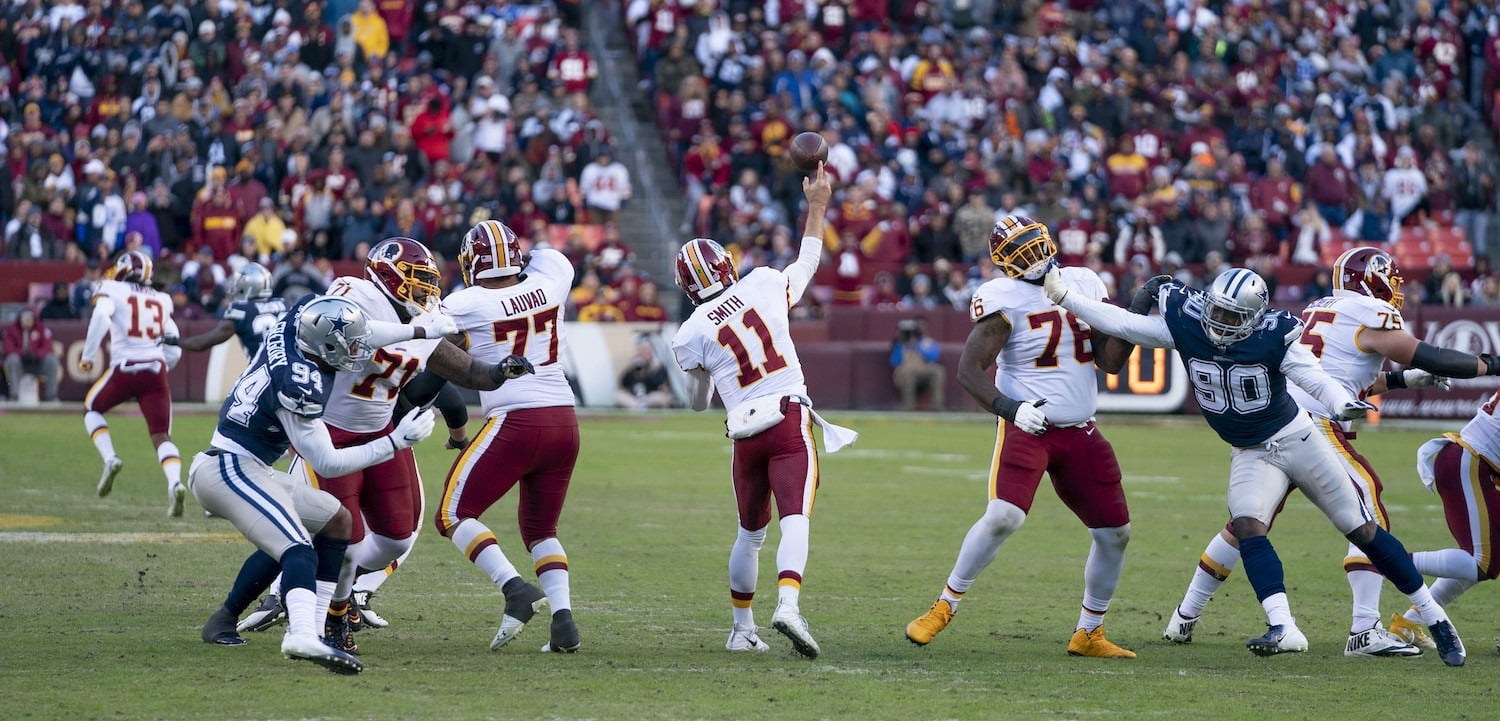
[743, 338]
[1049, 354]
[525, 319]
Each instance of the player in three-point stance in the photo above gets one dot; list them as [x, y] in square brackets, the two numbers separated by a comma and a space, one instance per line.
[136, 317]
[276, 404]
[1045, 394]
[1351, 333]
[513, 306]
[738, 342]
[1239, 358]
[250, 314]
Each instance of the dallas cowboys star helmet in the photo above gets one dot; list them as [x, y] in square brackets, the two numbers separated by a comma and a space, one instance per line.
[334, 330]
[1233, 305]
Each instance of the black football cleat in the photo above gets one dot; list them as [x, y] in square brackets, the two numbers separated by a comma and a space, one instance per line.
[220, 629]
[564, 633]
[1450, 647]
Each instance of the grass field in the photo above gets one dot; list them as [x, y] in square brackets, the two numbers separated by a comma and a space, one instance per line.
[103, 599]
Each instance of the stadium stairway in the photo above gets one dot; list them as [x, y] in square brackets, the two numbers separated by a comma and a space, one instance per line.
[649, 221]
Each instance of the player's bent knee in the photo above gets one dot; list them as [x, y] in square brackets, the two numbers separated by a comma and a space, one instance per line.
[1119, 536]
[1364, 534]
[340, 525]
[1002, 518]
[1247, 527]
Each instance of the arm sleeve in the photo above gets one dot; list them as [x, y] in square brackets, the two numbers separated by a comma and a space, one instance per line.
[451, 405]
[800, 272]
[310, 437]
[172, 353]
[98, 326]
[1146, 330]
[383, 333]
[700, 389]
[1302, 368]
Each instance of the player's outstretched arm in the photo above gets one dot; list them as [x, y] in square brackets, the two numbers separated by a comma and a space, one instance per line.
[1149, 331]
[1404, 348]
[203, 341]
[1302, 368]
[466, 371]
[98, 326]
[818, 189]
[310, 437]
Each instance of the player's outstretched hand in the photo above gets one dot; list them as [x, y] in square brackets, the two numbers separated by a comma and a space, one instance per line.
[168, 339]
[819, 188]
[1054, 286]
[435, 324]
[414, 428]
[1355, 410]
[1422, 379]
[511, 367]
[86, 366]
[1146, 296]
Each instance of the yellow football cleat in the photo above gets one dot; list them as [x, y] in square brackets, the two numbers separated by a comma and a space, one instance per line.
[930, 624]
[1095, 645]
[1411, 632]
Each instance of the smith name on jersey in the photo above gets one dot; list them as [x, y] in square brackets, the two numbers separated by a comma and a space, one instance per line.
[743, 339]
[252, 319]
[278, 378]
[1049, 353]
[1331, 331]
[363, 402]
[1240, 388]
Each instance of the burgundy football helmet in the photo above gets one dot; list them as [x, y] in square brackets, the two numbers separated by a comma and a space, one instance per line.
[1022, 248]
[407, 273]
[1368, 271]
[490, 250]
[704, 269]
[133, 267]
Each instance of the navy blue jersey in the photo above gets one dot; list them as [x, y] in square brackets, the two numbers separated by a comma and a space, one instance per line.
[1240, 388]
[252, 319]
[279, 377]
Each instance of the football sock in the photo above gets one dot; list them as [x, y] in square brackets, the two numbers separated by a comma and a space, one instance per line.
[791, 558]
[478, 544]
[1390, 557]
[336, 564]
[980, 546]
[1214, 566]
[99, 432]
[551, 564]
[171, 463]
[379, 552]
[1101, 573]
[1365, 585]
[1262, 567]
[372, 581]
[1278, 610]
[299, 570]
[256, 573]
[275, 587]
[744, 562]
[1453, 563]
[1444, 591]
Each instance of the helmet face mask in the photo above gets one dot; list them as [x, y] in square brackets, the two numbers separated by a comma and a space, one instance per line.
[251, 282]
[1022, 248]
[407, 273]
[704, 269]
[333, 330]
[490, 250]
[1371, 272]
[1233, 306]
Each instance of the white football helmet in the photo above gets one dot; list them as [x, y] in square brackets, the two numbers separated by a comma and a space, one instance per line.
[1233, 305]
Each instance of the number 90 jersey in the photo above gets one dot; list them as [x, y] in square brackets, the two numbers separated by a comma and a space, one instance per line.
[1331, 328]
[141, 317]
[363, 402]
[279, 377]
[1049, 354]
[525, 319]
[743, 338]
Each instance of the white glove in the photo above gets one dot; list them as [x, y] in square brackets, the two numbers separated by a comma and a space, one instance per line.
[1054, 287]
[1422, 379]
[1354, 410]
[435, 324]
[1030, 418]
[414, 428]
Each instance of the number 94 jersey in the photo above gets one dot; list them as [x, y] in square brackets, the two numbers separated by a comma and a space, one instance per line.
[1331, 328]
[1049, 354]
[525, 319]
[363, 402]
[743, 338]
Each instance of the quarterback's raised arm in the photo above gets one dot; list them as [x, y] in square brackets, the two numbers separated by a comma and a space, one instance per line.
[98, 326]
[1147, 330]
[1302, 368]
[818, 190]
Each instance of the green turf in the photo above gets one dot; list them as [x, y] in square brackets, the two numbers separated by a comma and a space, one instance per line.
[110, 630]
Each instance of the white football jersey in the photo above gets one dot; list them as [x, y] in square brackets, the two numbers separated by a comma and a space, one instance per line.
[1330, 329]
[363, 402]
[525, 319]
[1483, 432]
[1049, 354]
[141, 317]
[743, 339]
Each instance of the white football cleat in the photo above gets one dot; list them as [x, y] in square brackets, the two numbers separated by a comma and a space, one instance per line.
[107, 479]
[1376, 642]
[176, 497]
[790, 623]
[1278, 639]
[522, 601]
[307, 647]
[1180, 628]
[371, 619]
[745, 638]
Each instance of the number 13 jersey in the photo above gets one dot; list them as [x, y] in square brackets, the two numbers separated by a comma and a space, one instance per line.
[525, 319]
[141, 317]
[1049, 354]
[743, 338]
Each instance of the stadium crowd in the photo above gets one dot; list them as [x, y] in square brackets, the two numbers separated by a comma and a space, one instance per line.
[298, 134]
[1153, 136]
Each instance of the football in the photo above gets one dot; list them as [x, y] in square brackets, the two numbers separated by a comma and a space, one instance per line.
[807, 150]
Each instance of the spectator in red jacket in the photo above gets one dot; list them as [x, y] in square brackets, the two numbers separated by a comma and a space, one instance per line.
[1330, 186]
[28, 351]
[433, 130]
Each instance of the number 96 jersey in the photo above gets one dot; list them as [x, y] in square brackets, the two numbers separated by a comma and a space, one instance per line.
[743, 338]
[1331, 328]
[363, 402]
[1050, 353]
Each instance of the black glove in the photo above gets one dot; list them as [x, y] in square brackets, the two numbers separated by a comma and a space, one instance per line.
[169, 339]
[456, 444]
[513, 366]
[1491, 364]
[1146, 296]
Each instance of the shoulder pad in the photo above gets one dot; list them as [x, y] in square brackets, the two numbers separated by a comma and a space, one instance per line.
[235, 311]
[1085, 281]
[994, 296]
[1370, 312]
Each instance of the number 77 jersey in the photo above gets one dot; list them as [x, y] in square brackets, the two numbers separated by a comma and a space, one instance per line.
[525, 319]
[743, 338]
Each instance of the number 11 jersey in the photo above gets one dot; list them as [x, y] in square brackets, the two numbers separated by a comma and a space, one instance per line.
[743, 338]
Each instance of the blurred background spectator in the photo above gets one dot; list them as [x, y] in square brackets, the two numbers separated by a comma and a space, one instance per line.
[28, 351]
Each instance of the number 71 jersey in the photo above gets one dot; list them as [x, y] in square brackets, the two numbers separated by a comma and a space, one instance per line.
[743, 338]
[363, 402]
[525, 319]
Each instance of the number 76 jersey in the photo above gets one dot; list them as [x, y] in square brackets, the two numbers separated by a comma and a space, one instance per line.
[743, 338]
[525, 319]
